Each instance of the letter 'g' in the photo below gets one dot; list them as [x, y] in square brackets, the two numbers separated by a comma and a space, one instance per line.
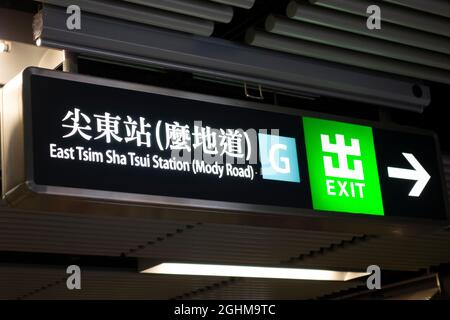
[278, 157]
[273, 161]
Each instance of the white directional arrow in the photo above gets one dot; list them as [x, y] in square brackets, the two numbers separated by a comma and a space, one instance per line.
[419, 174]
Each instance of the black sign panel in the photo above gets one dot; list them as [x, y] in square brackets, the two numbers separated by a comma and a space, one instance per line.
[122, 139]
[87, 172]
[409, 176]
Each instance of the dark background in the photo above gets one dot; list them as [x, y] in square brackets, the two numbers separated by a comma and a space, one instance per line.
[389, 146]
[48, 110]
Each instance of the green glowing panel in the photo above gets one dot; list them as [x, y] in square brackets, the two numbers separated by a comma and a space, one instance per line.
[342, 167]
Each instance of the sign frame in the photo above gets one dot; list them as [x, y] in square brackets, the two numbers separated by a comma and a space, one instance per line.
[20, 190]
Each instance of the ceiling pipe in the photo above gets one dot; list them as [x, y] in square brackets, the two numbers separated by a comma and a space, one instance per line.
[390, 13]
[149, 16]
[128, 42]
[194, 8]
[244, 4]
[306, 31]
[349, 57]
[355, 24]
[438, 7]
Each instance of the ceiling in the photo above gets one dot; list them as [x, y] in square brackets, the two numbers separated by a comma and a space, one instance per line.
[35, 249]
[49, 283]
[413, 40]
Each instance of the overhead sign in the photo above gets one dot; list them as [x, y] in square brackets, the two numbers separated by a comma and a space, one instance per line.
[91, 138]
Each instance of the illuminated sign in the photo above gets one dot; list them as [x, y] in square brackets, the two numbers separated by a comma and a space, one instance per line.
[114, 142]
[342, 167]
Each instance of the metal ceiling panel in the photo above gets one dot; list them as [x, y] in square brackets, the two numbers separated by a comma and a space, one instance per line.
[214, 243]
[245, 4]
[110, 38]
[355, 24]
[391, 13]
[140, 14]
[16, 281]
[390, 253]
[195, 8]
[231, 244]
[331, 35]
[78, 234]
[47, 282]
[307, 31]
[275, 289]
[345, 56]
[115, 236]
[438, 7]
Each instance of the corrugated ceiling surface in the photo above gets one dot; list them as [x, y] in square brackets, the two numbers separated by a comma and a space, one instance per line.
[390, 253]
[47, 282]
[411, 41]
[134, 237]
[78, 234]
[115, 236]
[44, 282]
[240, 244]
[274, 289]
[190, 16]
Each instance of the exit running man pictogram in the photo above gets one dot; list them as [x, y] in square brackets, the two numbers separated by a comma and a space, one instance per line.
[342, 167]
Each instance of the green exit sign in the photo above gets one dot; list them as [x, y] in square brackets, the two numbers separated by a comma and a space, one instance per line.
[342, 167]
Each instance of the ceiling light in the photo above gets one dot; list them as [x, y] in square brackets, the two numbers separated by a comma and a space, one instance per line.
[252, 272]
[4, 46]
